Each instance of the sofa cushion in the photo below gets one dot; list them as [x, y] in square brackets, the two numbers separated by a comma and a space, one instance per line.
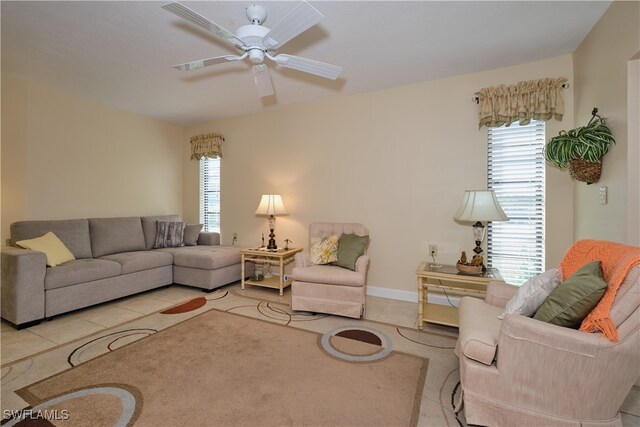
[570, 302]
[115, 235]
[54, 250]
[170, 234]
[479, 330]
[328, 274]
[204, 257]
[150, 227]
[139, 261]
[191, 234]
[74, 233]
[80, 271]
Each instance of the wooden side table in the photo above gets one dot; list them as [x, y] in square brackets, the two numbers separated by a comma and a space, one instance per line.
[447, 278]
[279, 258]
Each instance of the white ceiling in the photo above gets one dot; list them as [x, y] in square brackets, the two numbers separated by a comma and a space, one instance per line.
[121, 53]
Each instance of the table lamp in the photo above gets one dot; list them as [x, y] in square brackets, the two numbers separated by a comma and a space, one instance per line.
[272, 205]
[479, 206]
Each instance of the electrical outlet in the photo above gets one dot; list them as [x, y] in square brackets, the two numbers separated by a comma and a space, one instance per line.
[433, 250]
[602, 195]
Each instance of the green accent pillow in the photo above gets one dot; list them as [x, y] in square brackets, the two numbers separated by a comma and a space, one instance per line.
[350, 248]
[573, 299]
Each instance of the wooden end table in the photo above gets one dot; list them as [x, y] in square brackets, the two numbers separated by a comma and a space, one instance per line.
[449, 280]
[279, 257]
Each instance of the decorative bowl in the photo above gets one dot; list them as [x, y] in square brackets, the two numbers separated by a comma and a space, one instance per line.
[469, 269]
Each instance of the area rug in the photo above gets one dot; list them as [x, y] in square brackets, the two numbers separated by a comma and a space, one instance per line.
[220, 368]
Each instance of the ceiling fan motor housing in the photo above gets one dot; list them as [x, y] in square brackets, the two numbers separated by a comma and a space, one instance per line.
[256, 14]
[252, 36]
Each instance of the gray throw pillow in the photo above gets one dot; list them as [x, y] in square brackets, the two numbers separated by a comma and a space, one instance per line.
[191, 233]
[170, 234]
[350, 248]
[574, 299]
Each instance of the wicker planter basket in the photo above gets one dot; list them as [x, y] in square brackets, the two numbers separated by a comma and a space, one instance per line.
[585, 171]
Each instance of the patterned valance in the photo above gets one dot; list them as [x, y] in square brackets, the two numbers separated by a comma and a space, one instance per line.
[208, 145]
[535, 99]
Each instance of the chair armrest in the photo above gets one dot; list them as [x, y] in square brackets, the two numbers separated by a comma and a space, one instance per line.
[499, 293]
[302, 259]
[362, 263]
[521, 331]
[209, 238]
[22, 285]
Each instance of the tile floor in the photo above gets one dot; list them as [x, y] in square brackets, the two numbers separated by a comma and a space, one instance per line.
[16, 344]
[71, 326]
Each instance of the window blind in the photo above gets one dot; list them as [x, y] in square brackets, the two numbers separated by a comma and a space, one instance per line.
[516, 172]
[210, 194]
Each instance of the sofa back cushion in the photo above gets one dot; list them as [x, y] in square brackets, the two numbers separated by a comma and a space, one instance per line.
[150, 227]
[325, 229]
[115, 235]
[74, 233]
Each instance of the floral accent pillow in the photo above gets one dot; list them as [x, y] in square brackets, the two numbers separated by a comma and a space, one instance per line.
[324, 250]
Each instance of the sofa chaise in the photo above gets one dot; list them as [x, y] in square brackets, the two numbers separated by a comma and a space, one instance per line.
[114, 258]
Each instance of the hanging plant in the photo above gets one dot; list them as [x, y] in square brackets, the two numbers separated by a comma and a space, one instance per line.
[581, 149]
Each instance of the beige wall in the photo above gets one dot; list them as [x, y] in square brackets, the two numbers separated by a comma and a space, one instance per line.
[396, 160]
[67, 157]
[600, 71]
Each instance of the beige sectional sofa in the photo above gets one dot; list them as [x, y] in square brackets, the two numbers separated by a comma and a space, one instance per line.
[114, 258]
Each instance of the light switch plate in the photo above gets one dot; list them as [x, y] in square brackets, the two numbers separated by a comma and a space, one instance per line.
[602, 195]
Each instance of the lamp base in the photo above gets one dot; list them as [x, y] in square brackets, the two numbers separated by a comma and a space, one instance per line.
[272, 241]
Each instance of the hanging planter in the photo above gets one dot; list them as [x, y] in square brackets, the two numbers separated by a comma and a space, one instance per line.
[581, 149]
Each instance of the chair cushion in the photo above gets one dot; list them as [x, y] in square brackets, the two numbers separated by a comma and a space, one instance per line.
[204, 257]
[80, 271]
[324, 250]
[52, 247]
[328, 274]
[139, 261]
[570, 302]
[479, 330]
[115, 235]
[533, 293]
[350, 248]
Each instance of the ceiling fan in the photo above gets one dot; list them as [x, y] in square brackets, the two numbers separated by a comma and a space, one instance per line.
[258, 42]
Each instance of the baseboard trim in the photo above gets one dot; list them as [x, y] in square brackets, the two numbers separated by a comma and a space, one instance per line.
[410, 296]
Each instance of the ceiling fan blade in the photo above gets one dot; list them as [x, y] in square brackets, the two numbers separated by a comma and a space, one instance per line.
[195, 65]
[310, 66]
[299, 20]
[262, 77]
[202, 22]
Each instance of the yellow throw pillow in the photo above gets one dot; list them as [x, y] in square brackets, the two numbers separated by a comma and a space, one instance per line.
[324, 250]
[56, 252]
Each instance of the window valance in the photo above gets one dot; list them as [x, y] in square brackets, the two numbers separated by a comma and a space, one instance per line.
[208, 145]
[534, 99]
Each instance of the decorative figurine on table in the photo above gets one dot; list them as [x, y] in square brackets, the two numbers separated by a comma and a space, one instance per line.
[286, 244]
[262, 245]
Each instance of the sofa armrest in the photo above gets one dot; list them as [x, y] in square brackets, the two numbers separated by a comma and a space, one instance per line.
[209, 238]
[22, 285]
[301, 259]
[362, 263]
[499, 293]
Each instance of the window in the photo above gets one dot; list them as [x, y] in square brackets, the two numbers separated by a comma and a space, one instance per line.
[516, 173]
[210, 194]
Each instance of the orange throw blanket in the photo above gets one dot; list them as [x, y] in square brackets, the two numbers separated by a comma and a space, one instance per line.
[617, 260]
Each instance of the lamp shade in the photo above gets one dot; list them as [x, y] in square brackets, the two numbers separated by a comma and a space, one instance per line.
[271, 204]
[480, 206]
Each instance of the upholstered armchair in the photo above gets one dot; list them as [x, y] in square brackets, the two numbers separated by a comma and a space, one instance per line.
[522, 371]
[329, 288]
